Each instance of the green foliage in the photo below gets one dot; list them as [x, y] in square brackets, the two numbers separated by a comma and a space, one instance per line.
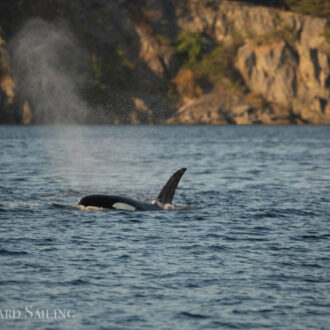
[315, 8]
[165, 41]
[114, 67]
[214, 64]
[238, 38]
[326, 33]
[172, 93]
[236, 85]
[282, 32]
[257, 100]
[217, 67]
[276, 35]
[319, 8]
[189, 46]
[268, 3]
[288, 34]
[213, 67]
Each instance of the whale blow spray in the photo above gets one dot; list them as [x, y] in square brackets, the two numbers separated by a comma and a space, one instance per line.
[50, 68]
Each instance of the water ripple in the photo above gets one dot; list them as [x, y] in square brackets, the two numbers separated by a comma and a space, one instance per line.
[251, 251]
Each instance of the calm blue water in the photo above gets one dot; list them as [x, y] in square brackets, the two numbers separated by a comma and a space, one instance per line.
[252, 251]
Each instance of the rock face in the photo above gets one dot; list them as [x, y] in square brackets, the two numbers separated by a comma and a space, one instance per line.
[7, 87]
[282, 60]
[295, 76]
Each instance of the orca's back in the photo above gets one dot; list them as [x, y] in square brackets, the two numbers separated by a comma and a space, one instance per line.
[117, 202]
[105, 201]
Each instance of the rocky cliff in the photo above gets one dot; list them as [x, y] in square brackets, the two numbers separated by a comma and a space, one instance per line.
[189, 62]
[283, 60]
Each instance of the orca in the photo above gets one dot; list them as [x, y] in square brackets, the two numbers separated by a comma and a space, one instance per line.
[162, 202]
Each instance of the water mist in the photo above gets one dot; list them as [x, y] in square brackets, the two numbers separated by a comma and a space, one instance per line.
[50, 69]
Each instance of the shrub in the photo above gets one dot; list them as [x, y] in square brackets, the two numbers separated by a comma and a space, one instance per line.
[189, 46]
[326, 33]
[315, 8]
[319, 8]
[217, 65]
[206, 68]
[214, 64]
[112, 67]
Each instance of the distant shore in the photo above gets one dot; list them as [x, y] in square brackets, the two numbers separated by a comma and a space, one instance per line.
[192, 62]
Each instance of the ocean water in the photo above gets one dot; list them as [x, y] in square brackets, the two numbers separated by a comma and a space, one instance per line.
[251, 249]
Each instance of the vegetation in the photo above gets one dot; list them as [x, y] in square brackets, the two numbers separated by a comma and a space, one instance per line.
[189, 46]
[315, 8]
[216, 64]
[284, 32]
[257, 100]
[326, 34]
[205, 66]
[165, 41]
[115, 67]
[319, 8]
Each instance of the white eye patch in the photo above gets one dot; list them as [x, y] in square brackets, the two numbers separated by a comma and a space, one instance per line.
[123, 206]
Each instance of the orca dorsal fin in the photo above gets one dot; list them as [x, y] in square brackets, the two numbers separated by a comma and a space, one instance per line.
[168, 191]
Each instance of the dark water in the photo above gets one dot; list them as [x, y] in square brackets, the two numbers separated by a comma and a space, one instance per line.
[252, 251]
